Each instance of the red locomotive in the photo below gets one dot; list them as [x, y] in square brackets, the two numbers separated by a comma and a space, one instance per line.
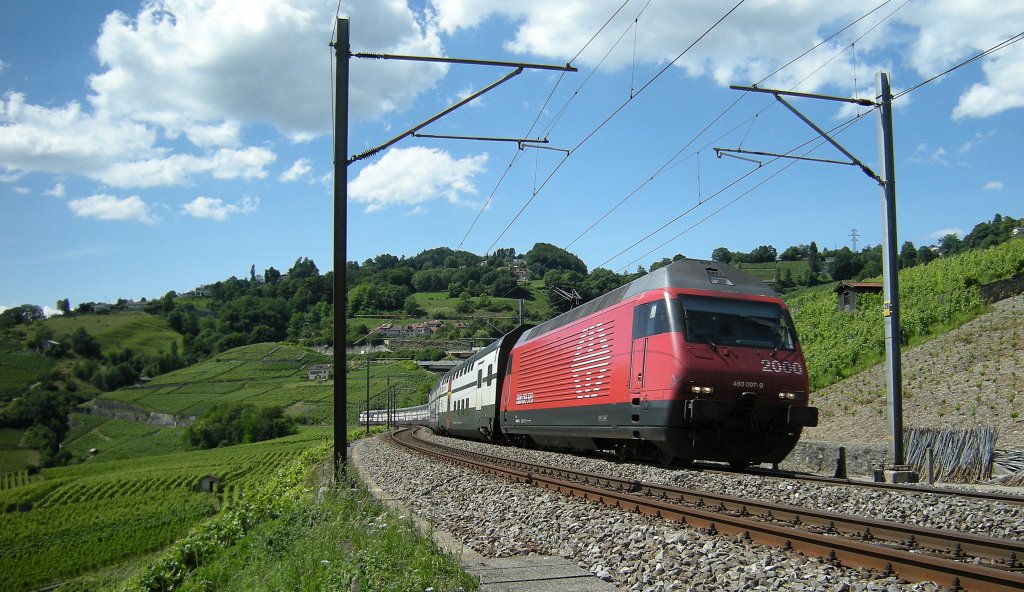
[695, 360]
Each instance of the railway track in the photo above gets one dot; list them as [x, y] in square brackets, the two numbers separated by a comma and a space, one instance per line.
[957, 560]
[991, 496]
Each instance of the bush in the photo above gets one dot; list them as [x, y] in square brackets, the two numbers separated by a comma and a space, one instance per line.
[229, 424]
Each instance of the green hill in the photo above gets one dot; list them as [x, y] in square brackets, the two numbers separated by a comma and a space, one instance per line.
[933, 299]
[140, 332]
[78, 518]
[264, 374]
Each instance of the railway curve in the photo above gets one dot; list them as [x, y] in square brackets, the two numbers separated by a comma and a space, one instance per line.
[952, 559]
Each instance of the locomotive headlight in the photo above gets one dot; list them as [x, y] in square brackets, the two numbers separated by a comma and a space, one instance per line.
[701, 390]
[791, 396]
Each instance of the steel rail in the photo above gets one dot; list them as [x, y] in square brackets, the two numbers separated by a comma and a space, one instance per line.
[993, 496]
[732, 516]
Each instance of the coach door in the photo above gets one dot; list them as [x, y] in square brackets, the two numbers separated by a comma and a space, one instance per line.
[448, 408]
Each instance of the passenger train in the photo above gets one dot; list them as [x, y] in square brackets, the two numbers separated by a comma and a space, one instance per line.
[695, 360]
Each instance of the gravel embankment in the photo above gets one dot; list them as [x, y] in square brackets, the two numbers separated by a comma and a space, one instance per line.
[498, 518]
[972, 376]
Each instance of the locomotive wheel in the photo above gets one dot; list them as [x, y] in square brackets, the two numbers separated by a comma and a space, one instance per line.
[622, 453]
[665, 458]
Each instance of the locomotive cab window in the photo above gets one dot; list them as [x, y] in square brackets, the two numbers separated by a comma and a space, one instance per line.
[654, 318]
[744, 323]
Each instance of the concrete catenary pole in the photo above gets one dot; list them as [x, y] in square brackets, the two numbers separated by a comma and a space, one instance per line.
[890, 274]
[341, 57]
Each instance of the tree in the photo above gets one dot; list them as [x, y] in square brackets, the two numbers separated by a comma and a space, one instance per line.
[763, 254]
[950, 245]
[237, 423]
[543, 257]
[722, 255]
[813, 259]
[271, 276]
[412, 308]
[64, 306]
[926, 254]
[84, 344]
[844, 265]
[908, 255]
[793, 253]
[22, 315]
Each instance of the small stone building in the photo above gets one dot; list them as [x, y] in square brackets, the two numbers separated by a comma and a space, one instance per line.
[208, 483]
[847, 293]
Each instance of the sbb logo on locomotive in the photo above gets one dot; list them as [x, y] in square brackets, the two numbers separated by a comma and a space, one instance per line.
[524, 398]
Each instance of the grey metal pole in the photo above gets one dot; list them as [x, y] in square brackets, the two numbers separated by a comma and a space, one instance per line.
[890, 274]
[367, 387]
[341, 57]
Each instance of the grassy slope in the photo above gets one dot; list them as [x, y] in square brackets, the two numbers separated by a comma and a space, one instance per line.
[933, 299]
[138, 331]
[81, 517]
[960, 365]
[265, 374]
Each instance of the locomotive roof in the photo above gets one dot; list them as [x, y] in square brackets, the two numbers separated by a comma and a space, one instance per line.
[690, 274]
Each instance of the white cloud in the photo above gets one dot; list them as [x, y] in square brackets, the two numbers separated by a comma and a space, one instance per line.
[414, 176]
[759, 37]
[11, 175]
[937, 234]
[183, 61]
[108, 207]
[22, 190]
[248, 163]
[747, 46]
[925, 154]
[65, 139]
[213, 135]
[206, 70]
[300, 169]
[950, 31]
[974, 142]
[993, 186]
[57, 191]
[3, 66]
[215, 208]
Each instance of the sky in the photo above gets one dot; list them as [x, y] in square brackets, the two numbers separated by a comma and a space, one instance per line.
[162, 145]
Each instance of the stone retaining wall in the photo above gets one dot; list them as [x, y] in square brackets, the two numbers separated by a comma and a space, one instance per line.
[819, 458]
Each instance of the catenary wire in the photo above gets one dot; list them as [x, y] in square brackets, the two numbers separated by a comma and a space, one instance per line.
[611, 116]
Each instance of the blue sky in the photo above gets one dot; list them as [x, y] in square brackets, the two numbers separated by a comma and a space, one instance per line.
[147, 147]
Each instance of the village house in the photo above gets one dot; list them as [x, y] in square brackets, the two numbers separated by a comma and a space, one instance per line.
[320, 371]
[425, 329]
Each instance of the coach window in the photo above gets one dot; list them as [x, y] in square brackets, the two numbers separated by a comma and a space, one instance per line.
[479, 378]
[490, 373]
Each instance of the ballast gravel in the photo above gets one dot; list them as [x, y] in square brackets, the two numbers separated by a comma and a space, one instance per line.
[498, 518]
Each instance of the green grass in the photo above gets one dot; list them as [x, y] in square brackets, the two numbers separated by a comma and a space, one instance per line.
[82, 517]
[768, 271]
[347, 541]
[17, 460]
[141, 332]
[116, 439]
[19, 370]
[263, 374]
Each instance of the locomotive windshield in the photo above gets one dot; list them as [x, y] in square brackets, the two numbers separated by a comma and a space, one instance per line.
[744, 323]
